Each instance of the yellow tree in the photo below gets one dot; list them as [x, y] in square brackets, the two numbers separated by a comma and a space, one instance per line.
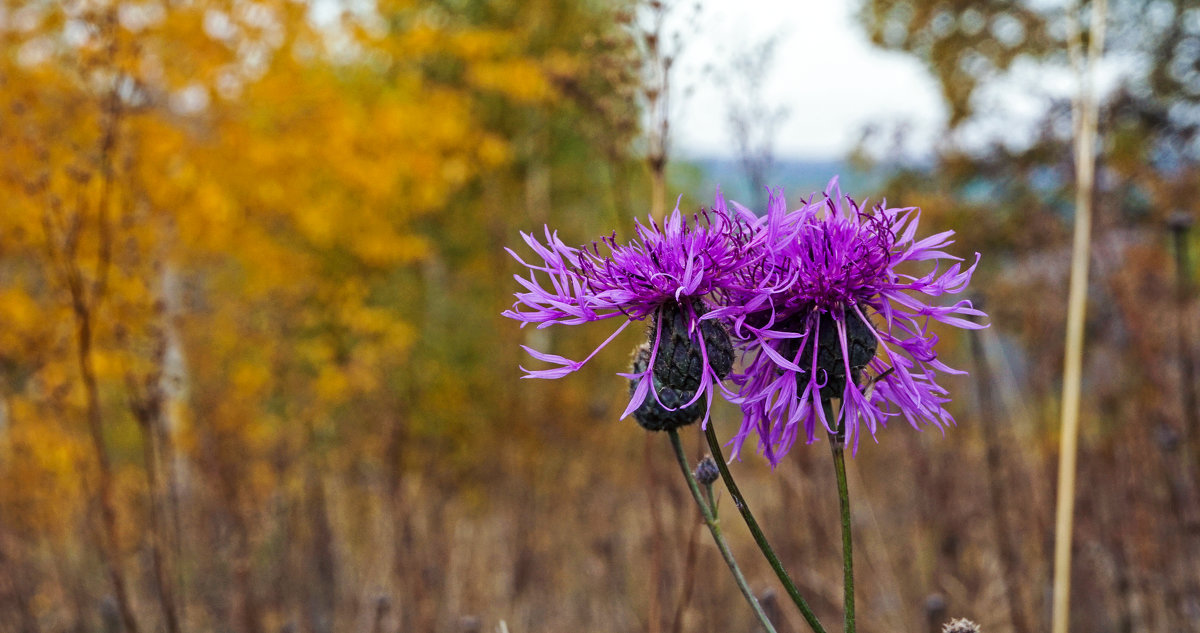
[209, 213]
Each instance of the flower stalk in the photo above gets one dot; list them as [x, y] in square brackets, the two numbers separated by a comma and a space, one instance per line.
[837, 443]
[764, 545]
[715, 528]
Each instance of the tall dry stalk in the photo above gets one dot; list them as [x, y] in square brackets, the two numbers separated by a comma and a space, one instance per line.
[1180, 224]
[1084, 114]
[658, 59]
[998, 495]
[656, 92]
[753, 119]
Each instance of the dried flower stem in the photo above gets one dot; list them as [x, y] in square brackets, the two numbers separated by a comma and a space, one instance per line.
[1002, 529]
[837, 443]
[718, 537]
[1084, 112]
[689, 574]
[1180, 224]
[714, 445]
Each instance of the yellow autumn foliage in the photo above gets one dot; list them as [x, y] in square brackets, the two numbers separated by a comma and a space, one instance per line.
[240, 260]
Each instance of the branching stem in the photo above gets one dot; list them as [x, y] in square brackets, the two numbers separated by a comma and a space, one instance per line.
[715, 528]
[714, 446]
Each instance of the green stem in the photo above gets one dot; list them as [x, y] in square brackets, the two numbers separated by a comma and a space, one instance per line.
[712, 500]
[713, 527]
[714, 446]
[837, 441]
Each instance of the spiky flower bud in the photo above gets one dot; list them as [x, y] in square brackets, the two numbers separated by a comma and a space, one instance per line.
[679, 363]
[653, 416]
[707, 471]
[960, 625]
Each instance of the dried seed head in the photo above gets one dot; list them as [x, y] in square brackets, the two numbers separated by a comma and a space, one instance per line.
[651, 415]
[960, 625]
[1180, 221]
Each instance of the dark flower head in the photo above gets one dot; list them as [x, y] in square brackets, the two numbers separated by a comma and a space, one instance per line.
[669, 409]
[674, 274]
[829, 315]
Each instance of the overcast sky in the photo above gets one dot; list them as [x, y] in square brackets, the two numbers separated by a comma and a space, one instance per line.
[827, 74]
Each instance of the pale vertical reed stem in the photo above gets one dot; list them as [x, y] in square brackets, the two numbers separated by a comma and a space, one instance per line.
[1084, 118]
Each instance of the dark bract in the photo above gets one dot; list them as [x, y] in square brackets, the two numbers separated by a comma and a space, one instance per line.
[664, 412]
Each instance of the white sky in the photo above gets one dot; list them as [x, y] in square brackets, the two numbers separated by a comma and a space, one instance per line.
[831, 79]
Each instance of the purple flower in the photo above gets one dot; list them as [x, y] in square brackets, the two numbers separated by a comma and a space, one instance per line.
[673, 274]
[831, 316]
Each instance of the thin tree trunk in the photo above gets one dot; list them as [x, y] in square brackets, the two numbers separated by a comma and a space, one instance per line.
[162, 575]
[13, 591]
[85, 300]
[171, 385]
[110, 549]
[323, 600]
[146, 405]
[241, 607]
[246, 609]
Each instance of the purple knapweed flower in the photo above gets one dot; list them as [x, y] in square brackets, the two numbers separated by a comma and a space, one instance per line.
[675, 274]
[831, 315]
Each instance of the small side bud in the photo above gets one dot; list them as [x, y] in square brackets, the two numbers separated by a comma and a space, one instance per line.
[707, 471]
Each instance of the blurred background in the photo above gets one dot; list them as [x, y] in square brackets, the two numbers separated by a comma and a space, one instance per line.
[253, 375]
